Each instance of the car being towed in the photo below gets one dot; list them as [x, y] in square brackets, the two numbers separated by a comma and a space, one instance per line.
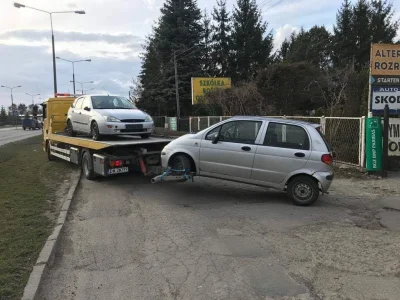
[99, 115]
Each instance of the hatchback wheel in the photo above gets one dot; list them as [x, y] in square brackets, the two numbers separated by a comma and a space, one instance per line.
[303, 190]
[70, 129]
[94, 130]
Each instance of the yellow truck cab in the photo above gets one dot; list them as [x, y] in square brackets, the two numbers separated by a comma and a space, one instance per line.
[107, 157]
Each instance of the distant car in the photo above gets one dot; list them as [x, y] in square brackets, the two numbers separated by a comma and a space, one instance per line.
[281, 154]
[100, 115]
[31, 124]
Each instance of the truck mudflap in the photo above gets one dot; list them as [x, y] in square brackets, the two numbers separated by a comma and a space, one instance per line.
[174, 175]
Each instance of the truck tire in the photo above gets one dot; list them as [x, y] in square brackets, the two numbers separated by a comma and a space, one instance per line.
[48, 151]
[145, 136]
[303, 189]
[87, 166]
[23, 128]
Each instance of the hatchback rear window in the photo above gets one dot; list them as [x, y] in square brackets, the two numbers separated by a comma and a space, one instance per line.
[324, 139]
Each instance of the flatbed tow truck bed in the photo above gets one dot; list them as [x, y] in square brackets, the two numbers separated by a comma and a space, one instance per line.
[116, 155]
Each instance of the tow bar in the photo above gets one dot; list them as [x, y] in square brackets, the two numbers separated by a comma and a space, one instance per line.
[167, 176]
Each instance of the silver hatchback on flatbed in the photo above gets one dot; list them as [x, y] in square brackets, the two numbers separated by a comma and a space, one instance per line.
[287, 155]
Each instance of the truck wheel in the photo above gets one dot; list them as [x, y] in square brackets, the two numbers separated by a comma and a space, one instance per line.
[145, 136]
[87, 166]
[94, 131]
[48, 151]
[23, 128]
[180, 162]
[70, 129]
[303, 190]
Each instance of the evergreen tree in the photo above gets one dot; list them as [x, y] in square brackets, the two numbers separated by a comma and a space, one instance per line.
[152, 79]
[251, 46]
[221, 38]
[361, 27]
[208, 64]
[22, 108]
[382, 28]
[313, 46]
[3, 115]
[344, 38]
[179, 31]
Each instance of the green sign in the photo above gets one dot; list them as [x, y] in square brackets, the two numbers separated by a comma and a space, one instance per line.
[172, 123]
[373, 131]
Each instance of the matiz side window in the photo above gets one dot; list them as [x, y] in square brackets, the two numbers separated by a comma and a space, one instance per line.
[286, 136]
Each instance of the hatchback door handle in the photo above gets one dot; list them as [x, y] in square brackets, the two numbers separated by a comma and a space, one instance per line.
[299, 154]
[246, 148]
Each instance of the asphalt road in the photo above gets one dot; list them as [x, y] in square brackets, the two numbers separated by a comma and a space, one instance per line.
[128, 239]
[8, 135]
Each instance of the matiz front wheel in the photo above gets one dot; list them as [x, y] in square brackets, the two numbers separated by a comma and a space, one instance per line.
[303, 189]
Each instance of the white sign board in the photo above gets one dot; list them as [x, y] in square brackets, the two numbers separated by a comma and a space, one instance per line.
[394, 137]
[385, 95]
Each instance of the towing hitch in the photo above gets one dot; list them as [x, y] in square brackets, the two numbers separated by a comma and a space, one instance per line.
[168, 176]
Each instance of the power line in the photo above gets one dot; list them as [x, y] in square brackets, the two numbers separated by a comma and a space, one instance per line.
[274, 5]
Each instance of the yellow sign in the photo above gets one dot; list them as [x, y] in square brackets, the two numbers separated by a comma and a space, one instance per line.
[203, 85]
[385, 59]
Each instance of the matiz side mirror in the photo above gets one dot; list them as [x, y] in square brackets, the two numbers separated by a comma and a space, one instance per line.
[86, 108]
[215, 139]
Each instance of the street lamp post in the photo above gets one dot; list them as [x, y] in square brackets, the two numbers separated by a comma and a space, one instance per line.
[83, 83]
[33, 96]
[80, 12]
[73, 67]
[12, 100]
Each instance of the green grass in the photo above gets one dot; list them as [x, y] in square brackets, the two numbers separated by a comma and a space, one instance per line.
[28, 206]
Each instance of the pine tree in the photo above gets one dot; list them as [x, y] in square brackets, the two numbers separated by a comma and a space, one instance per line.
[22, 108]
[221, 38]
[344, 37]
[179, 31]
[361, 27]
[208, 64]
[3, 115]
[382, 28]
[251, 46]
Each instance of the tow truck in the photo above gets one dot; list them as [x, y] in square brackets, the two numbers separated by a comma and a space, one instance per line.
[105, 158]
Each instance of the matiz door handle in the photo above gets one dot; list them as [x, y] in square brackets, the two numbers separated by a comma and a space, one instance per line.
[246, 148]
[299, 154]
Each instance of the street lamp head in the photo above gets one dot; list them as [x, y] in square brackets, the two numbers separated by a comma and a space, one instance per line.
[89, 60]
[80, 12]
[58, 57]
[19, 86]
[18, 5]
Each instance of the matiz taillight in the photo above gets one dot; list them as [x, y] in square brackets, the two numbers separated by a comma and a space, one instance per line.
[327, 159]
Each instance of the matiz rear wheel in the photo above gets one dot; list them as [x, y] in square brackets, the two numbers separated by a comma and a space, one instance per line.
[303, 189]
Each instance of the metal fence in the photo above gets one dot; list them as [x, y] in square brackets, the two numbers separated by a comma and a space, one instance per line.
[344, 134]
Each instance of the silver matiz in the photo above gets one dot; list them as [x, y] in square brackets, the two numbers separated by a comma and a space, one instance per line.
[99, 115]
[286, 155]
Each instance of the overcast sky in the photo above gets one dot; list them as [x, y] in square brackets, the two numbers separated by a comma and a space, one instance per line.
[111, 34]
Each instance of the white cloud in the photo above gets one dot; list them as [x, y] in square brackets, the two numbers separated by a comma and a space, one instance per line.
[282, 33]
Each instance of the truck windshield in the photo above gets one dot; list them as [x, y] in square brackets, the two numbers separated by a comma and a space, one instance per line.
[111, 102]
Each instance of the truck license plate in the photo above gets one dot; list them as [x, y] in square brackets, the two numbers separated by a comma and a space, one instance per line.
[118, 170]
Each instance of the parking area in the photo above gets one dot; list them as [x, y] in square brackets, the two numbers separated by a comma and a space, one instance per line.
[128, 239]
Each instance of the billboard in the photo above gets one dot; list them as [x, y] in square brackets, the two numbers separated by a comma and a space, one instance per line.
[385, 59]
[203, 85]
[394, 137]
[385, 95]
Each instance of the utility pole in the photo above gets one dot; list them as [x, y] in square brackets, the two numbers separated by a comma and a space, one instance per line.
[178, 109]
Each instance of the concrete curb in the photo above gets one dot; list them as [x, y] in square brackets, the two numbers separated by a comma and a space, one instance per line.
[46, 256]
